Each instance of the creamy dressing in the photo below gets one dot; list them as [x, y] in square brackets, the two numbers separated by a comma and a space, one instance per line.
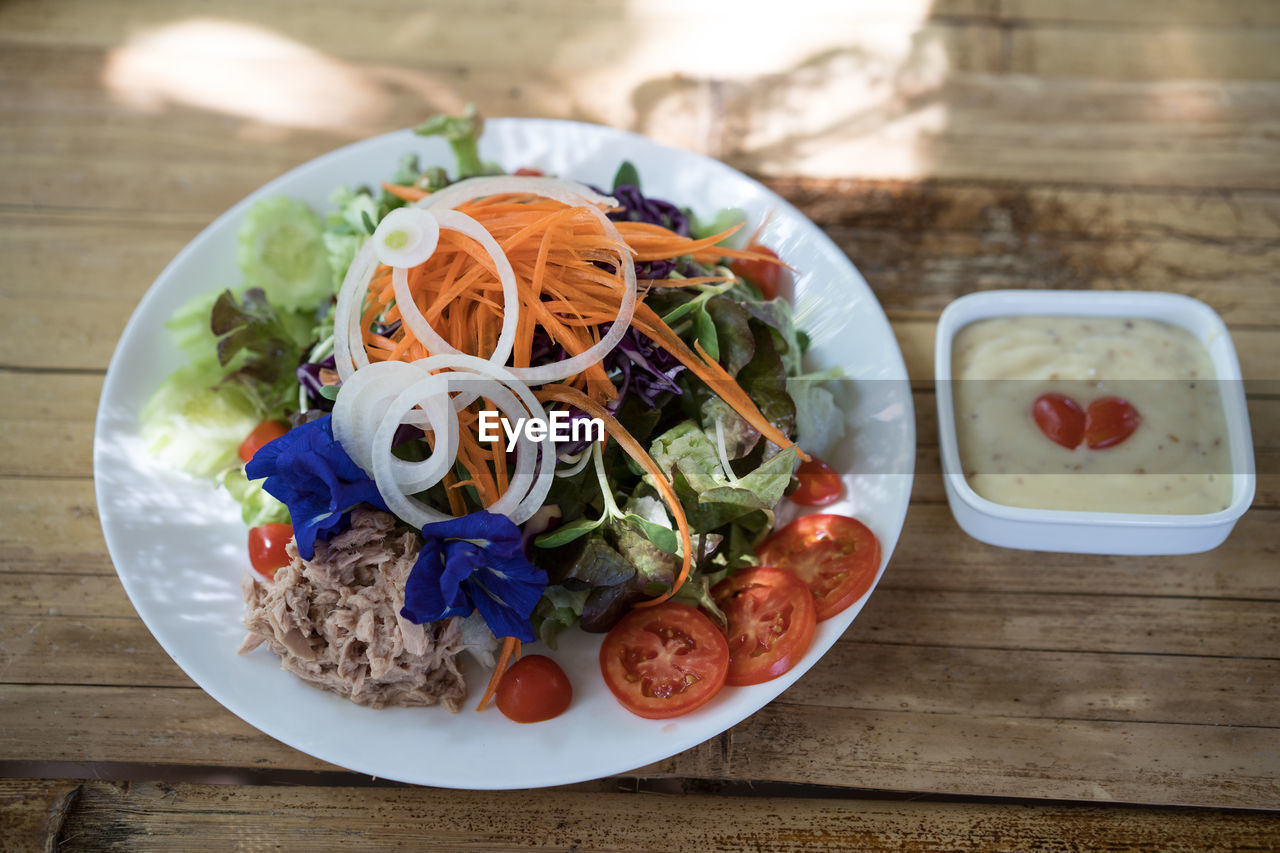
[1176, 461]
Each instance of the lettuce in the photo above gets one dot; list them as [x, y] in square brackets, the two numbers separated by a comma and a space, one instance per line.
[196, 424]
[256, 505]
[712, 497]
[819, 421]
[258, 348]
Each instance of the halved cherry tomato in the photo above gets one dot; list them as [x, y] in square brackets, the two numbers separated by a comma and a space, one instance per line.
[1060, 418]
[771, 617]
[664, 661]
[1109, 421]
[534, 689]
[837, 557]
[266, 547]
[767, 277]
[819, 484]
[263, 433]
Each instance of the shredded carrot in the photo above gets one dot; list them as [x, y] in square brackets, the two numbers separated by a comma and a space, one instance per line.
[405, 193]
[510, 648]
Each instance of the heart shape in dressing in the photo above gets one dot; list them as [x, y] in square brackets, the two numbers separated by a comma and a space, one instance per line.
[1105, 423]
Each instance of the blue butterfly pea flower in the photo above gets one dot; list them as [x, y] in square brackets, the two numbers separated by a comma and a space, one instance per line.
[475, 562]
[307, 470]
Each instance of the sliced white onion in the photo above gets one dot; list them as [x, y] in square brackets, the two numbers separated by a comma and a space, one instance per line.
[348, 339]
[541, 485]
[560, 189]
[575, 467]
[379, 398]
[406, 237]
[394, 493]
[362, 402]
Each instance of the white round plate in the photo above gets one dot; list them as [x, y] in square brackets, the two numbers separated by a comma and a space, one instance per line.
[179, 546]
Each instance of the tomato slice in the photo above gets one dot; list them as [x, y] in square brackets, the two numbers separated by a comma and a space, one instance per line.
[836, 556]
[1060, 418]
[819, 484]
[771, 617]
[1109, 421]
[263, 433]
[766, 276]
[664, 661]
[267, 547]
[534, 689]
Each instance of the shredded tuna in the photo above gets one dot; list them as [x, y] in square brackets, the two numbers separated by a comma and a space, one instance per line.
[335, 620]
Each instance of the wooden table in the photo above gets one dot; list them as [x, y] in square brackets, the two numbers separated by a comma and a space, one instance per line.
[985, 698]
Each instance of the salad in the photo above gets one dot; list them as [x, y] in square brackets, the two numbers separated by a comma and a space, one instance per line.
[347, 393]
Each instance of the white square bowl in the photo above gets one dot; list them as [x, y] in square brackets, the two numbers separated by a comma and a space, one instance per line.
[1095, 532]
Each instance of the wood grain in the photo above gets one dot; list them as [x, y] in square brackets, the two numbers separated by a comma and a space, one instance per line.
[143, 817]
[855, 748]
[947, 146]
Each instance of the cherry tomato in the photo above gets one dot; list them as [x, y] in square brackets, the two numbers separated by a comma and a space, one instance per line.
[534, 689]
[837, 557]
[266, 547]
[771, 620]
[1109, 421]
[1060, 418]
[664, 661]
[819, 484]
[766, 276]
[263, 433]
[525, 170]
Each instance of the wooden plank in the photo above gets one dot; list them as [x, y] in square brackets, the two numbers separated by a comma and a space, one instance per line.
[48, 424]
[952, 118]
[1022, 683]
[1160, 53]
[173, 725]
[1183, 13]
[934, 554]
[32, 812]
[1106, 623]
[157, 817]
[52, 524]
[329, 27]
[1214, 217]
[99, 650]
[917, 275]
[1226, 766]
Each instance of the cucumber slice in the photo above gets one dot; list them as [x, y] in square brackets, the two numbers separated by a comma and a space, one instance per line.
[282, 251]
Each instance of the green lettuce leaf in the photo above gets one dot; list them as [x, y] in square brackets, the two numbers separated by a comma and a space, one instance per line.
[196, 424]
[260, 348]
[256, 505]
